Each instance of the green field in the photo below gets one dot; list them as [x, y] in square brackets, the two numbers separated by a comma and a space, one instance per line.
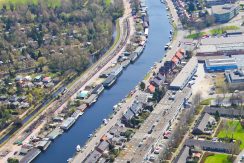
[220, 31]
[196, 35]
[51, 3]
[238, 133]
[107, 2]
[217, 158]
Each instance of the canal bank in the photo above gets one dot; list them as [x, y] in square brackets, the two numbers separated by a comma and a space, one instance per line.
[63, 147]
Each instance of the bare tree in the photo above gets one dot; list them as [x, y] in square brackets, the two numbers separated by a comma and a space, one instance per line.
[218, 100]
[197, 98]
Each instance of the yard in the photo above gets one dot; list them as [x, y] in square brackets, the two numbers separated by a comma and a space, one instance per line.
[220, 83]
[217, 158]
[238, 132]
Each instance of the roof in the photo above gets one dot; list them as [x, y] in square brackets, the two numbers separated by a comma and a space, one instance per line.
[184, 153]
[222, 40]
[179, 55]
[184, 74]
[223, 111]
[151, 88]
[109, 79]
[83, 94]
[204, 122]
[90, 99]
[220, 62]
[175, 60]
[209, 145]
[136, 107]
[222, 9]
[93, 157]
[128, 115]
[103, 146]
[31, 155]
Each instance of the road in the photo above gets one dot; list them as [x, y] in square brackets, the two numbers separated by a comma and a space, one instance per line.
[238, 158]
[87, 78]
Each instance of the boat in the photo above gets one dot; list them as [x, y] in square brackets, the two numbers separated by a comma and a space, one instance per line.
[78, 148]
[90, 135]
[105, 121]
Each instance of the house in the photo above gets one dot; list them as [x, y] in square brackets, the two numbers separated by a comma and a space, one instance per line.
[179, 55]
[102, 147]
[175, 60]
[209, 145]
[38, 78]
[157, 82]
[225, 112]
[93, 157]
[183, 156]
[47, 80]
[151, 88]
[205, 125]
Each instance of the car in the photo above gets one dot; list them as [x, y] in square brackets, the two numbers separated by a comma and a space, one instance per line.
[152, 158]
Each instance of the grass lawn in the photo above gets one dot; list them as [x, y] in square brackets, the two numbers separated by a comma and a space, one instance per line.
[217, 158]
[51, 3]
[107, 2]
[196, 35]
[238, 132]
[220, 31]
[206, 102]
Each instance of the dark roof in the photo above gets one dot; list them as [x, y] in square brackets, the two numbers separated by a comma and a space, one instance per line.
[182, 157]
[93, 157]
[136, 107]
[30, 155]
[209, 145]
[157, 82]
[103, 146]
[204, 121]
[224, 111]
[109, 79]
[128, 115]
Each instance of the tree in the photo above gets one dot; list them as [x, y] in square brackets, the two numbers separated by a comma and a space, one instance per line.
[13, 160]
[142, 86]
[217, 116]
[218, 100]
[197, 98]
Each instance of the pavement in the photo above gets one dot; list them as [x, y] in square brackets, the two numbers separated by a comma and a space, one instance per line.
[238, 158]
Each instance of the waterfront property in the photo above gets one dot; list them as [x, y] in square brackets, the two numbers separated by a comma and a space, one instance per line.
[224, 13]
[185, 75]
[220, 65]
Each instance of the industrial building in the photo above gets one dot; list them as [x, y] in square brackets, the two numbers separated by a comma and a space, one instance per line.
[185, 75]
[210, 3]
[235, 76]
[220, 65]
[221, 46]
[224, 13]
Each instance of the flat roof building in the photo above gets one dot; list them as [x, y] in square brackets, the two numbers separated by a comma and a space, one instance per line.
[220, 65]
[224, 13]
[185, 75]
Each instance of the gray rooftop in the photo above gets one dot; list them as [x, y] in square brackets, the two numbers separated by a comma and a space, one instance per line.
[183, 76]
[222, 40]
[222, 9]
[220, 62]
[93, 157]
[203, 123]
[31, 155]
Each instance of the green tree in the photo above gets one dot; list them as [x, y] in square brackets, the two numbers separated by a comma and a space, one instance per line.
[13, 160]
[142, 86]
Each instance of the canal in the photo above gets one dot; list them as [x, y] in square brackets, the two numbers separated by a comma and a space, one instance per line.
[64, 146]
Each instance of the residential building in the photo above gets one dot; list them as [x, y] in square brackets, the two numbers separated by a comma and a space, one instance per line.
[205, 125]
[225, 112]
[185, 75]
[224, 13]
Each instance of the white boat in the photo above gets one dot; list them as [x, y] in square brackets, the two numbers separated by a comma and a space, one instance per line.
[90, 135]
[78, 148]
[105, 121]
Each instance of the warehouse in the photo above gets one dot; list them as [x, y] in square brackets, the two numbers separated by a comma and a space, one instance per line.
[185, 75]
[220, 65]
[221, 46]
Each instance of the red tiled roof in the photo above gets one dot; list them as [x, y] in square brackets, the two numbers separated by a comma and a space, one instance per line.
[151, 88]
[179, 55]
[182, 51]
[175, 60]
